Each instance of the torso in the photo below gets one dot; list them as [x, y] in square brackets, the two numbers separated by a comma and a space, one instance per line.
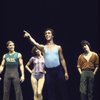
[88, 61]
[52, 47]
[38, 63]
[51, 55]
[11, 60]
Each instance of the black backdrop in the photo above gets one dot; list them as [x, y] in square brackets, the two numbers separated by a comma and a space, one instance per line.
[72, 20]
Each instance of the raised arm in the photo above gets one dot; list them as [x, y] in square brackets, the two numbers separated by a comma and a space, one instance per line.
[27, 35]
[63, 63]
[2, 64]
[21, 67]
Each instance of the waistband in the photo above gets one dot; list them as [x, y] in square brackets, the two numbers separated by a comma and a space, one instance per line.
[87, 69]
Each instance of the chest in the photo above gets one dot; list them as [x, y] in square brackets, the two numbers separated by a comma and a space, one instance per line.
[38, 61]
[11, 58]
[87, 56]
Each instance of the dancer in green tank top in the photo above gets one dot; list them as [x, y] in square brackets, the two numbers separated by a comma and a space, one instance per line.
[11, 61]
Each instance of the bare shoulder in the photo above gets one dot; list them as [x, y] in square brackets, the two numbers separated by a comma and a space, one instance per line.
[19, 55]
[59, 47]
[4, 56]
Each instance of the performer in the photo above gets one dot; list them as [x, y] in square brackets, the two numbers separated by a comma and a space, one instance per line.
[53, 56]
[11, 61]
[37, 73]
[88, 64]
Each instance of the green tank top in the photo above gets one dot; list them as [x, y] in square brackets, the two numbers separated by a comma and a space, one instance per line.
[11, 60]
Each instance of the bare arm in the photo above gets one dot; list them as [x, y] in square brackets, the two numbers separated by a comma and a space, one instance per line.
[2, 64]
[27, 67]
[21, 67]
[95, 70]
[96, 64]
[63, 63]
[39, 46]
[80, 71]
[79, 65]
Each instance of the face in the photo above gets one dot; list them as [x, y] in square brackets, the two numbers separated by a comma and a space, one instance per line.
[38, 52]
[11, 46]
[48, 35]
[86, 48]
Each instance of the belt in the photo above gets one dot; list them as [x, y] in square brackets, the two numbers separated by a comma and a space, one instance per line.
[87, 69]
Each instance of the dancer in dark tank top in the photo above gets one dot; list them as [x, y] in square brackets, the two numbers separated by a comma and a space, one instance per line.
[11, 61]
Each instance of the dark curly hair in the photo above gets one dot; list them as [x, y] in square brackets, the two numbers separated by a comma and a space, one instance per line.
[50, 30]
[85, 42]
[33, 51]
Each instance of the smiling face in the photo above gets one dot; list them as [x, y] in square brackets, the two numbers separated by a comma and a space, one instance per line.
[10, 46]
[48, 35]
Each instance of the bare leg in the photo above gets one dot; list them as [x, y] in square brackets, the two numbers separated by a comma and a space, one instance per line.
[34, 87]
[40, 87]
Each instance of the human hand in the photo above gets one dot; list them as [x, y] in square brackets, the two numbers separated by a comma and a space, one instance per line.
[32, 71]
[26, 35]
[22, 79]
[66, 76]
[80, 72]
[94, 73]
[44, 71]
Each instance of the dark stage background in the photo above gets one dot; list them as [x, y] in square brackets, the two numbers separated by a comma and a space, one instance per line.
[72, 20]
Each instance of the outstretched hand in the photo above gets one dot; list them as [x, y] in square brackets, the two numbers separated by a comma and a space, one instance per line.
[26, 35]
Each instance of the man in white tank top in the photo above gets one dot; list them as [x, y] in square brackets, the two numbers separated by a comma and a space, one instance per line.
[53, 56]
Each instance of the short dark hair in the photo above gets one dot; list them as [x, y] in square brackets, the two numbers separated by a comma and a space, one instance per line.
[34, 50]
[8, 42]
[52, 30]
[85, 42]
